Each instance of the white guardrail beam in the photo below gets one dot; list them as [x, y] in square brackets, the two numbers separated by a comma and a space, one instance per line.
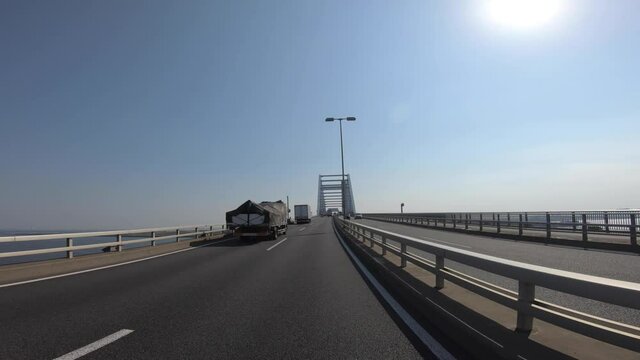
[616, 292]
[119, 243]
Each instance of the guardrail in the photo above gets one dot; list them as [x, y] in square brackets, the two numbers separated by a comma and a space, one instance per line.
[621, 293]
[614, 223]
[176, 233]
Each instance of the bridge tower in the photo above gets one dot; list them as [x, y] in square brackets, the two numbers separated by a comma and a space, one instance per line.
[330, 193]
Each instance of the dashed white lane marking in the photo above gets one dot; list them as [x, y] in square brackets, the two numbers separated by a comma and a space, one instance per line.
[278, 243]
[95, 345]
[446, 242]
[436, 348]
[302, 229]
[112, 266]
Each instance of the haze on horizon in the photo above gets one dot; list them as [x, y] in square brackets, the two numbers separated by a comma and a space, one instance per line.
[121, 114]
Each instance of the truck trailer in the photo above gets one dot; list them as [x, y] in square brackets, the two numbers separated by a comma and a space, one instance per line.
[267, 219]
[302, 214]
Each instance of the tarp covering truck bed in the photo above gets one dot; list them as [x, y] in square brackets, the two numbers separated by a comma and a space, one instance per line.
[268, 218]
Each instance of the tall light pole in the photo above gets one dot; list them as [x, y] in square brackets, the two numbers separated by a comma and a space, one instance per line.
[349, 118]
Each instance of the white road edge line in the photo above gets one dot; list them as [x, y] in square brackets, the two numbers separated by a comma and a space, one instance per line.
[94, 345]
[110, 266]
[446, 242]
[278, 243]
[302, 229]
[436, 348]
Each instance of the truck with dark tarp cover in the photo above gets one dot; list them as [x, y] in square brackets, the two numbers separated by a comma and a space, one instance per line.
[254, 220]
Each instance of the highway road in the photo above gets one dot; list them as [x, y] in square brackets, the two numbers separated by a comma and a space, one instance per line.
[621, 266]
[299, 296]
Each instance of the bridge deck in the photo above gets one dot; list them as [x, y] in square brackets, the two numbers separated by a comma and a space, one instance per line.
[300, 299]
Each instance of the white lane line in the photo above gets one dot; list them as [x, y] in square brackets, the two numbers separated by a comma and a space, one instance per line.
[302, 229]
[446, 242]
[94, 345]
[278, 243]
[112, 266]
[436, 348]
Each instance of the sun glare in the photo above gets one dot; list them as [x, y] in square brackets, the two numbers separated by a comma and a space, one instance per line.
[523, 14]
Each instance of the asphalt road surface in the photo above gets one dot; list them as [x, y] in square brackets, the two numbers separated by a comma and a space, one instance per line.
[296, 298]
[614, 265]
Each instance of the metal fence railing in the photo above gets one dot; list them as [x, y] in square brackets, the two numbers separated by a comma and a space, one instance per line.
[585, 224]
[118, 237]
[528, 276]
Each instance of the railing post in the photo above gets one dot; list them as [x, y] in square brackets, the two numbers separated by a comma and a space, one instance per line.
[196, 233]
[526, 219]
[119, 239]
[371, 237]
[573, 220]
[384, 243]
[69, 252]
[526, 295]
[508, 219]
[177, 235]
[633, 230]
[606, 221]
[520, 224]
[498, 225]
[481, 222]
[153, 236]
[454, 220]
[466, 221]
[403, 258]
[439, 271]
[585, 228]
[548, 225]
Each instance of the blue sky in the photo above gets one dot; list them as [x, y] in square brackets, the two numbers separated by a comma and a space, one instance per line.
[137, 113]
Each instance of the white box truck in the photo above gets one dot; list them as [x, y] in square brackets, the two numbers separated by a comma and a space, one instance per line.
[302, 214]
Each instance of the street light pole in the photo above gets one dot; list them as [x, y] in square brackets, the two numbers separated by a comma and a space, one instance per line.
[344, 211]
[349, 118]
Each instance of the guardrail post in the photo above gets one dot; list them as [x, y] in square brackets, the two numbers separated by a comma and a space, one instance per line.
[69, 252]
[454, 220]
[526, 295]
[585, 228]
[119, 239]
[371, 238]
[481, 222]
[548, 219]
[606, 221]
[153, 236]
[466, 221]
[526, 219]
[520, 224]
[439, 272]
[633, 230]
[177, 235]
[403, 251]
[508, 219]
[573, 220]
[384, 242]
[498, 225]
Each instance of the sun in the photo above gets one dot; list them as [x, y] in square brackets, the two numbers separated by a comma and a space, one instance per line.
[523, 14]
